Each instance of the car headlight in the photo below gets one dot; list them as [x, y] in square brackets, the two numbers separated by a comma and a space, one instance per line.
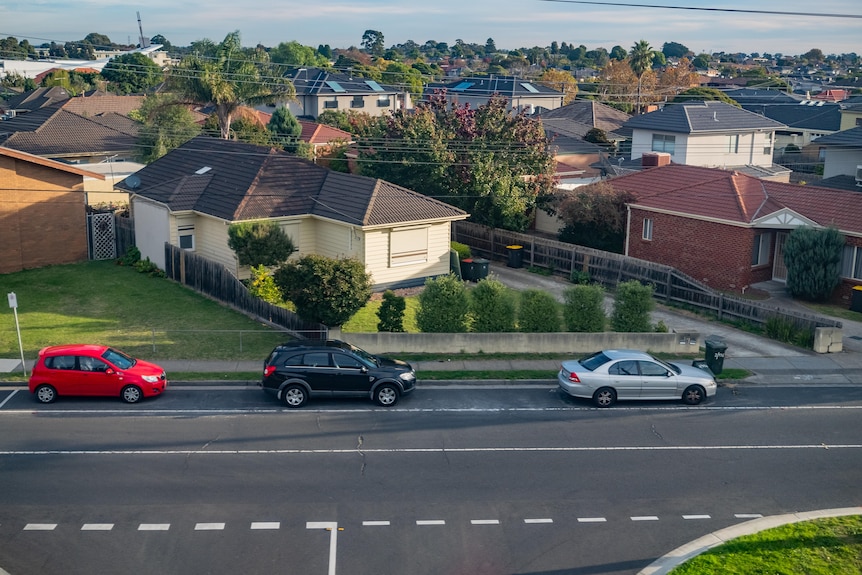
[150, 378]
[409, 376]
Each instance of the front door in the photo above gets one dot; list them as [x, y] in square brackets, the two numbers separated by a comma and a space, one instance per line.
[779, 270]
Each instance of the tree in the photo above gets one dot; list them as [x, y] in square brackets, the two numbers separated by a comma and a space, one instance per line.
[640, 60]
[372, 41]
[295, 54]
[167, 125]
[227, 77]
[492, 307]
[704, 94]
[159, 39]
[676, 79]
[391, 313]
[285, 128]
[325, 290]
[490, 47]
[597, 136]
[583, 308]
[815, 55]
[259, 243]
[617, 85]
[443, 306]
[813, 260]
[132, 73]
[632, 305]
[539, 312]
[618, 53]
[562, 81]
[701, 61]
[675, 50]
[594, 216]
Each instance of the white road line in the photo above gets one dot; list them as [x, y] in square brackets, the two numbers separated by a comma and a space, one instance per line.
[696, 517]
[40, 527]
[209, 526]
[543, 520]
[591, 520]
[364, 451]
[430, 522]
[154, 526]
[748, 515]
[332, 527]
[8, 398]
[375, 523]
[266, 525]
[484, 521]
[97, 526]
[645, 518]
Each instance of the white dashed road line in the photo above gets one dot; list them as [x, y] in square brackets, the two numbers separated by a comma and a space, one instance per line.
[535, 521]
[209, 526]
[266, 525]
[696, 517]
[430, 522]
[484, 521]
[591, 520]
[154, 526]
[97, 526]
[645, 518]
[40, 527]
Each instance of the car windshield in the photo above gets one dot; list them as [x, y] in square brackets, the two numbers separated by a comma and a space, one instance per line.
[669, 366]
[593, 361]
[119, 358]
[364, 356]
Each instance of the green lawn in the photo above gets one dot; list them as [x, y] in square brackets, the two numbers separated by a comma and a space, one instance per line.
[819, 547]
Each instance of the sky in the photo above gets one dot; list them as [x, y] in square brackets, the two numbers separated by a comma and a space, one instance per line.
[511, 23]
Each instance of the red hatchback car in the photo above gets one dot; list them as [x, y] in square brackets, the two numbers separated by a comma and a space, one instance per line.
[94, 370]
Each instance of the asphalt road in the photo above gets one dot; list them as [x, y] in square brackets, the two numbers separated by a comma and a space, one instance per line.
[451, 481]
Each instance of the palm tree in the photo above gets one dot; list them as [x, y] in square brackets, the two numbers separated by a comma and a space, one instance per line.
[227, 76]
[640, 60]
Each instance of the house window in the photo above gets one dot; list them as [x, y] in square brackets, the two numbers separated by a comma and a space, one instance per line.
[383, 102]
[187, 237]
[408, 247]
[767, 151]
[357, 102]
[821, 154]
[647, 233]
[330, 104]
[851, 262]
[760, 249]
[733, 144]
[663, 143]
[859, 121]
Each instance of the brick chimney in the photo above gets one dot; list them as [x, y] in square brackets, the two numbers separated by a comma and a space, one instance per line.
[655, 159]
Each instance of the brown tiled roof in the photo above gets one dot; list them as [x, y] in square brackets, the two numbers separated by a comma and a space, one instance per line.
[35, 99]
[95, 103]
[315, 133]
[734, 197]
[247, 182]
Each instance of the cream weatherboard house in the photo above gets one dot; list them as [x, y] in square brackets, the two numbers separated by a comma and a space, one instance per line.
[190, 196]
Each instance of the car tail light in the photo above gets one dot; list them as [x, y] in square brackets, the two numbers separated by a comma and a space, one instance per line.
[268, 370]
[573, 377]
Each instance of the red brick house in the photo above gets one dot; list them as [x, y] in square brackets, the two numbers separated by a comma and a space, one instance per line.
[728, 229]
[43, 217]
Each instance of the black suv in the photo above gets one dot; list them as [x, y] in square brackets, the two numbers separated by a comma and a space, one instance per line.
[297, 369]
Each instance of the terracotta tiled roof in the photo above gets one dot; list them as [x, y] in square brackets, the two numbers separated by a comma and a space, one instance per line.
[315, 133]
[96, 103]
[738, 198]
[246, 182]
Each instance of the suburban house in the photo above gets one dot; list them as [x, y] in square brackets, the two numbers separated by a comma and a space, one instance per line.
[522, 95]
[32, 100]
[851, 112]
[728, 229]
[710, 134]
[842, 156]
[581, 116]
[43, 211]
[319, 90]
[191, 195]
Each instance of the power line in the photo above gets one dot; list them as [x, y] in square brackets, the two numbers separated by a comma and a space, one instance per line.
[705, 9]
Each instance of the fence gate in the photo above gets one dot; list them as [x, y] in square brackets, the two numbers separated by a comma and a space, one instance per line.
[101, 236]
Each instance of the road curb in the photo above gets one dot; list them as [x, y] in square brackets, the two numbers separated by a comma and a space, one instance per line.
[683, 553]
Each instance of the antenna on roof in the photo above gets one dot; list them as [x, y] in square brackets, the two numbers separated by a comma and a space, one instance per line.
[144, 42]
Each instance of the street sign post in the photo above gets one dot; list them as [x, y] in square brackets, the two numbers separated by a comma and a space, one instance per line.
[13, 303]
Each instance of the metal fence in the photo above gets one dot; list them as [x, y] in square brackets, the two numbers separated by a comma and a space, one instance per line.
[214, 280]
[609, 269]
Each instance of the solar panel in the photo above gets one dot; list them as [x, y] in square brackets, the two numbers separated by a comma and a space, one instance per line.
[336, 87]
[462, 86]
[529, 87]
[374, 86]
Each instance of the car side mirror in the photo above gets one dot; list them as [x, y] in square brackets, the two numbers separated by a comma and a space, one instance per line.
[110, 371]
[363, 369]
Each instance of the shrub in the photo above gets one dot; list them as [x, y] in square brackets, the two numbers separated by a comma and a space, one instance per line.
[786, 330]
[661, 327]
[443, 306]
[492, 307]
[391, 313]
[583, 309]
[813, 260]
[632, 306]
[463, 250]
[149, 268]
[263, 286]
[258, 243]
[580, 277]
[132, 256]
[538, 312]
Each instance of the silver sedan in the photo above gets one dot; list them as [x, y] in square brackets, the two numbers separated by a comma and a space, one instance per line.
[613, 374]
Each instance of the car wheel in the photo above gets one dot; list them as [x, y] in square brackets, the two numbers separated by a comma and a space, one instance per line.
[46, 394]
[693, 394]
[132, 394]
[604, 397]
[294, 396]
[386, 395]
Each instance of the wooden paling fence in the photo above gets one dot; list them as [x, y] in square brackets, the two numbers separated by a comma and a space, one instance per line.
[609, 269]
[214, 280]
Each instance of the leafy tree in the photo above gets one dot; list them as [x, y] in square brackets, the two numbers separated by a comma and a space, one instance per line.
[259, 243]
[443, 306]
[295, 54]
[325, 290]
[372, 41]
[132, 73]
[813, 260]
[675, 50]
[285, 128]
[583, 308]
[594, 216]
[490, 47]
[640, 60]
[98, 41]
[492, 307]
[476, 159]
[704, 94]
[815, 55]
[226, 76]
[245, 127]
[618, 83]
[676, 79]
[263, 285]
[619, 53]
[539, 312]
[325, 51]
[159, 39]
[632, 306]
[391, 313]
[562, 81]
[596, 136]
[701, 61]
[167, 125]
